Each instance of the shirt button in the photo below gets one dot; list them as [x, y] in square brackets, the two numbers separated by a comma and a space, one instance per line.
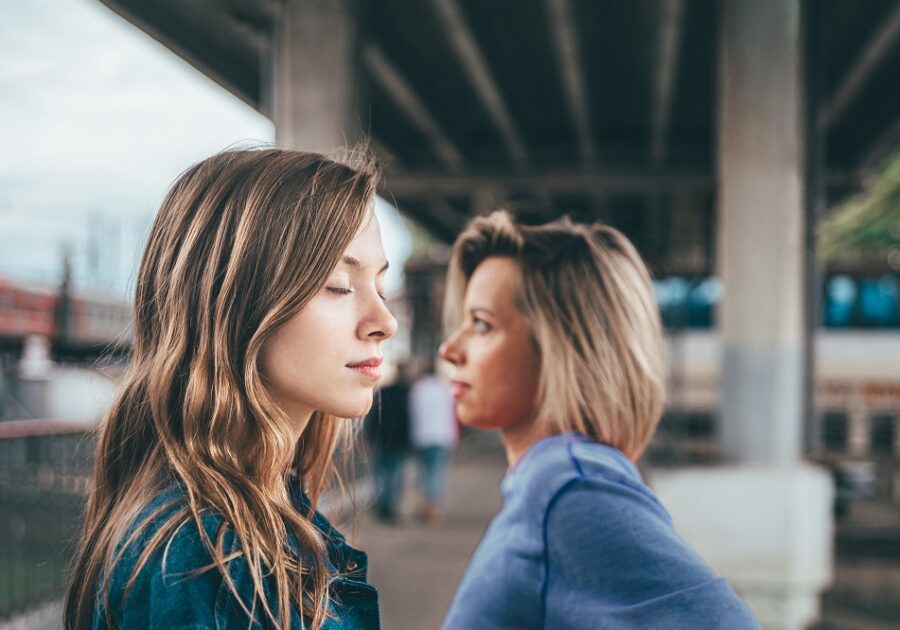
[353, 565]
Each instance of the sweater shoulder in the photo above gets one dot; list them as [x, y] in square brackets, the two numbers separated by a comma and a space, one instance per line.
[557, 462]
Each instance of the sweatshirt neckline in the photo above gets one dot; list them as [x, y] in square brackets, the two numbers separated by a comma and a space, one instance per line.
[519, 469]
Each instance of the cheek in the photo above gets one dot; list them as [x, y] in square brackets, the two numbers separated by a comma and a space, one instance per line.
[508, 379]
[290, 355]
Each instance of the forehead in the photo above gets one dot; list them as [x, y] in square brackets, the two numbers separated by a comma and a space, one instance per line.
[367, 242]
[496, 282]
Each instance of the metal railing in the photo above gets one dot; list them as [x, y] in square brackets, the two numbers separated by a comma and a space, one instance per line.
[44, 471]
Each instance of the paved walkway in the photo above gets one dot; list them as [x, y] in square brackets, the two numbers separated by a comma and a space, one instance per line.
[416, 567]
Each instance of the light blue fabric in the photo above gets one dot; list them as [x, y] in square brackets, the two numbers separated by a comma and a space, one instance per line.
[582, 542]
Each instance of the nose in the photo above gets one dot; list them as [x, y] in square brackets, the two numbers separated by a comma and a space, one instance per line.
[451, 350]
[379, 323]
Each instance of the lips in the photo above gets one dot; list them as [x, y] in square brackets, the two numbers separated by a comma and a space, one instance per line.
[459, 389]
[368, 368]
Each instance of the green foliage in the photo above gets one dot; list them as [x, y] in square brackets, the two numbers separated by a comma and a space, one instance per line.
[866, 226]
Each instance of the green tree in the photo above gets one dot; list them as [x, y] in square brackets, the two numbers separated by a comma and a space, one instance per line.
[866, 227]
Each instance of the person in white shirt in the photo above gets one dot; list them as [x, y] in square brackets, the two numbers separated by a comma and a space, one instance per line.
[433, 435]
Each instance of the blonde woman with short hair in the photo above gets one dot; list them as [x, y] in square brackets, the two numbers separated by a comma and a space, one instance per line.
[259, 319]
[557, 344]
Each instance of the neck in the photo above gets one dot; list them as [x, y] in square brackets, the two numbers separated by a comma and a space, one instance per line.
[299, 416]
[519, 438]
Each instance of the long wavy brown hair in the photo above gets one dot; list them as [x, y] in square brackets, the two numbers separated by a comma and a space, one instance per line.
[241, 243]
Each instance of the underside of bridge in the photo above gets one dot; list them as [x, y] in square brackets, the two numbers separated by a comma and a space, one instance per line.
[596, 109]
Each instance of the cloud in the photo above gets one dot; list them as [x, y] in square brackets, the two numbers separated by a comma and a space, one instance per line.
[97, 120]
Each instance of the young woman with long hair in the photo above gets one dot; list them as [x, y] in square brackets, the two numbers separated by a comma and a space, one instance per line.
[557, 343]
[259, 317]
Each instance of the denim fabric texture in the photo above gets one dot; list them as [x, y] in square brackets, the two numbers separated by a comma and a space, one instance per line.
[582, 542]
[166, 595]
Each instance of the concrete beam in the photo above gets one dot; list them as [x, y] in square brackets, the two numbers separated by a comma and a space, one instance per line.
[476, 68]
[386, 156]
[448, 216]
[421, 184]
[434, 215]
[403, 95]
[669, 52]
[314, 77]
[882, 147]
[264, 11]
[598, 183]
[205, 38]
[882, 40]
[568, 55]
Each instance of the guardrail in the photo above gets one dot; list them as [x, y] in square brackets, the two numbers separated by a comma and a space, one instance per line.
[44, 471]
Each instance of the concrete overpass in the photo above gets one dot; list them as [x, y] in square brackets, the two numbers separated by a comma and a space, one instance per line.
[597, 108]
[714, 133]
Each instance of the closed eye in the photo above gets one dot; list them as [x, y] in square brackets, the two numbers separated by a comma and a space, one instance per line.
[339, 290]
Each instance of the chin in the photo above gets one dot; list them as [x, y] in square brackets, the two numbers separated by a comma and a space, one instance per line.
[473, 420]
[482, 421]
[357, 408]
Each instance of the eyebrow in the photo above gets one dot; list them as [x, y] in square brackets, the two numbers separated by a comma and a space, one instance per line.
[350, 261]
[482, 309]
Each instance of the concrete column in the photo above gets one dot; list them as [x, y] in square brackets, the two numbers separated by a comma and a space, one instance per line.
[35, 374]
[760, 245]
[858, 432]
[314, 86]
[763, 520]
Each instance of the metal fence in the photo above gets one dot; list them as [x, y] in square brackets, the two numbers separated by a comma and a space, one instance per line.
[44, 470]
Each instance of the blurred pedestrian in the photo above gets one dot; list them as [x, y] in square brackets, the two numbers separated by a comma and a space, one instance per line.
[387, 429]
[259, 317]
[434, 435]
[560, 348]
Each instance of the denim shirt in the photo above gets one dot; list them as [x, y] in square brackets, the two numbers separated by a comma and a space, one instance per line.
[165, 595]
[582, 542]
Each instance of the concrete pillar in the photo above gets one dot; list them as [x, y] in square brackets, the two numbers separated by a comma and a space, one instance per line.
[764, 519]
[35, 374]
[314, 85]
[858, 432]
[760, 252]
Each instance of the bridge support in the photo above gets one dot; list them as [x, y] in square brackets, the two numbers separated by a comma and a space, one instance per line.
[764, 519]
[312, 81]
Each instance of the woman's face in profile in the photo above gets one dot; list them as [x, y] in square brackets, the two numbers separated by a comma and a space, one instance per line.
[496, 366]
[326, 357]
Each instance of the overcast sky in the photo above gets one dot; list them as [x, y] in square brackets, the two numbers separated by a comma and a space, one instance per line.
[97, 120]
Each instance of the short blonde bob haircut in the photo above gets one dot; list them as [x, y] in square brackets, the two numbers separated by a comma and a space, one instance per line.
[589, 301]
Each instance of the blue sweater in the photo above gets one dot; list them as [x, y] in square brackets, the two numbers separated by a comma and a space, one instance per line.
[582, 542]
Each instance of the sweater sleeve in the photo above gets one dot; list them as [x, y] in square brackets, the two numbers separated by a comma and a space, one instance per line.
[615, 560]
